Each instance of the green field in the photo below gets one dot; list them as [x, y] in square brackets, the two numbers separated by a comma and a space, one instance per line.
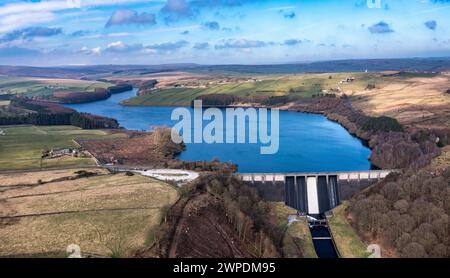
[46, 86]
[21, 146]
[346, 239]
[296, 86]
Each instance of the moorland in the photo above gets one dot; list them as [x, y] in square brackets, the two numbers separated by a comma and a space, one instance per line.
[400, 108]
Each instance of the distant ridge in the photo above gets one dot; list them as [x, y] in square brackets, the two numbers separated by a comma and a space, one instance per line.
[406, 64]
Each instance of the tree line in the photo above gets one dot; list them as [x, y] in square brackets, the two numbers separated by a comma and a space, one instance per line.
[41, 113]
[408, 213]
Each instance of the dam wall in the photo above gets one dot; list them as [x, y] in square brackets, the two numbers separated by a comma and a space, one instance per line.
[313, 193]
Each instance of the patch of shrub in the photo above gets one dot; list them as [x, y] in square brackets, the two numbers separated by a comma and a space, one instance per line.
[275, 100]
[382, 124]
[246, 211]
[120, 88]
[216, 100]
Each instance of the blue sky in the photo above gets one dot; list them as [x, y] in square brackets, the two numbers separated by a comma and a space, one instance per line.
[61, 32]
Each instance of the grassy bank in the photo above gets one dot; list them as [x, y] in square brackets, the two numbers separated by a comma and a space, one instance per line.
[105, 214]
[294, 86]
[346, 239]
[297, 241]
[21, 147]
[31, 87]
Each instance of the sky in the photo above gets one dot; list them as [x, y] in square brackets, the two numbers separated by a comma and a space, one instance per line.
[89, 32]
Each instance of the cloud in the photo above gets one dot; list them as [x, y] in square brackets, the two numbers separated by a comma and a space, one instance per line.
[30, 33]
[220, 3]
[89, 51]
[127, 16]
[292, 42]
[380, 28]
[168, 46]
[201, 46]
[431, 24]
[326, 45]
[121, 47]
[290, 15]
[17, 51]
[80, 33]
[211, 25]
[25, 13]
[176, 10]
[241, 43]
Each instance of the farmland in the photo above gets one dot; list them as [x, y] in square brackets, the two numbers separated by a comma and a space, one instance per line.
[33, 87]
[105, 214]
[295, 86]
[21, 146]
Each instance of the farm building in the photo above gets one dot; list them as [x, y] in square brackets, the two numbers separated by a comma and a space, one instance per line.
[53, 153]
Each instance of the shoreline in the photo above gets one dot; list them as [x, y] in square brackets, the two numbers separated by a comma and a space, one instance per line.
[287, 108]
[364, 141]
[340, 110]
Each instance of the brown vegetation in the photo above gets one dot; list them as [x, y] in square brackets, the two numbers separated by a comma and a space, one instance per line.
[217, 100]
[407, 214]
[137, 150]
[391, 148]
[105, 214]
[27, 111]
[155, 149]
[218, 216]
[416, 102]
[80, 97]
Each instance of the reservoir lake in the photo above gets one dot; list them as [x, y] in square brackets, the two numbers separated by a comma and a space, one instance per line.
[307, 143]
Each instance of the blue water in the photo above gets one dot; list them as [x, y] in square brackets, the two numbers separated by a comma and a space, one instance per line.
[308, 142]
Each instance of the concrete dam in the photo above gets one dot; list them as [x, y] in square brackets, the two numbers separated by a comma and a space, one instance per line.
[313, 193]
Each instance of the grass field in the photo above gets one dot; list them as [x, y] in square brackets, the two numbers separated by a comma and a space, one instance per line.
[46, 86]
[106, 214]
[346, 239]
[21, 146]
[304, 85]
[415, 100]
[297, 239]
